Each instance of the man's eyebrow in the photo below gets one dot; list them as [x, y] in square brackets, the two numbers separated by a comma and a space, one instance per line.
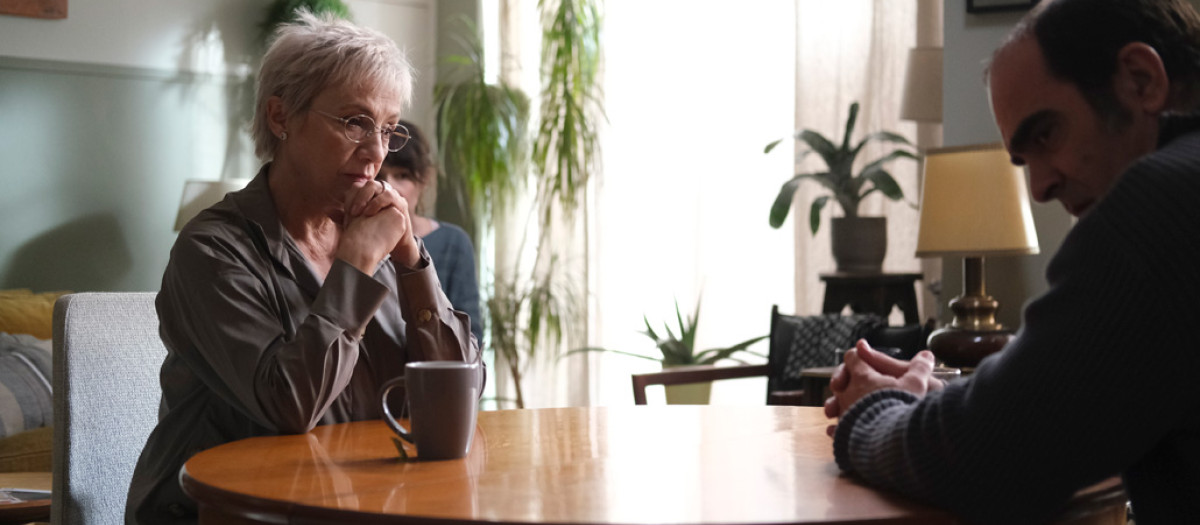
[1019, 142]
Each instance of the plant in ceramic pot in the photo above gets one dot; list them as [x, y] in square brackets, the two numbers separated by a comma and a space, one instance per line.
[859, 243]
[680, 350]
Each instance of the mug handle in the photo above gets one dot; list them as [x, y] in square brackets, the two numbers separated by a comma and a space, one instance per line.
[387, 413]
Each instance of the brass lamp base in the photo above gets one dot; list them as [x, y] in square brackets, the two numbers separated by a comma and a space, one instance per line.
[974, 333]
[966, 348]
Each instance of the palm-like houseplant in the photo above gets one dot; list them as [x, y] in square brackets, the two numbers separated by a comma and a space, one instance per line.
[482, 130]
[848, 189]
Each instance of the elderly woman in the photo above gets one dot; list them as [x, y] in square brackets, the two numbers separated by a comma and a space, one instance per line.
[289, 303]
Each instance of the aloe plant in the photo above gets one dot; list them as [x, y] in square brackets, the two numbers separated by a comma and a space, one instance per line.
[679, 350]
[848, 189]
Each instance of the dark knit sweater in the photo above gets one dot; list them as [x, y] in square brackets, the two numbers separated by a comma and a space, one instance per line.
[1102, 379]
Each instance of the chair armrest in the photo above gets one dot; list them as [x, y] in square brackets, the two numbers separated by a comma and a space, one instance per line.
[691, 374]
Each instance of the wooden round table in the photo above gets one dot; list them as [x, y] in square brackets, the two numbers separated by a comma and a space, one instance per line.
[628, 465]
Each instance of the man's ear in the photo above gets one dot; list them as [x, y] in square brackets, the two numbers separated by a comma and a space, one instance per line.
[1140, 80]
[276, 115]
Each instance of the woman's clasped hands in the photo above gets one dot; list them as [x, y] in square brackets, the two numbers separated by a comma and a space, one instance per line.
[865, 370]
[377, 224]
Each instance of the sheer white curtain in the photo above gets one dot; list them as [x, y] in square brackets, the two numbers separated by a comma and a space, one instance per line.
[846, 51]
[693, 90]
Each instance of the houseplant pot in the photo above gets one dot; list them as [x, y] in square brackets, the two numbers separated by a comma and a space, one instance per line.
[688, 394]
[859, 243]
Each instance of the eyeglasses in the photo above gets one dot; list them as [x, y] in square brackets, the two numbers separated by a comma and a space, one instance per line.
[360, 127]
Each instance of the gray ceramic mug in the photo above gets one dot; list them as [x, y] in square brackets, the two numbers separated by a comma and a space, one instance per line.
[443, 398]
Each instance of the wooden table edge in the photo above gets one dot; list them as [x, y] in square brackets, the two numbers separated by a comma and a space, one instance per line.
[36, 510]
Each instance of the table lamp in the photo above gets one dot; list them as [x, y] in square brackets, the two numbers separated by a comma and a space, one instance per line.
[200, 194]
[974, 203]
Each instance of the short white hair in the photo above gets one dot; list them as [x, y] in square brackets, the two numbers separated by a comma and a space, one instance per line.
[318, 52]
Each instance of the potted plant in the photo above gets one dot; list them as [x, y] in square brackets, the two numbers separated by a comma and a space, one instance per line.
[485, 140]
[859, 243]
[281, 12]
[679, 350]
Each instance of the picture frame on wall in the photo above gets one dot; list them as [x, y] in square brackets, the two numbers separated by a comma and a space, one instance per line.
[50, 9]
[993, 6]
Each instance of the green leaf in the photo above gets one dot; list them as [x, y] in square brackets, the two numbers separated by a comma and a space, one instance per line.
[850, 126]
[609, 350]
[783, 202]
[884, 182]
[771, 146]
[885, 136]
[878, 163]
[711, 356]
[649, 330]
[828, 152]
[688, 333]
[814, 213]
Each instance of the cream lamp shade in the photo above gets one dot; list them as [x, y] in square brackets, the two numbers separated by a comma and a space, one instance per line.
[922, 99]
[200, 194]
[974, 202]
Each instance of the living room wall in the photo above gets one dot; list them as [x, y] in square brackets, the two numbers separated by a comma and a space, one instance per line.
[969, 42]
[108, 112]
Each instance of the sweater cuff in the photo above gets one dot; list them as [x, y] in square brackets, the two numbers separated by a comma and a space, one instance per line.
[864, 411]
[349, 298]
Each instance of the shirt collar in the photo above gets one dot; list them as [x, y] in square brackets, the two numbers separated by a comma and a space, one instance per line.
[254, 202]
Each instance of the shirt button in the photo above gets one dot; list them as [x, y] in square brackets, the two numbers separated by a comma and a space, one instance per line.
[424, 315]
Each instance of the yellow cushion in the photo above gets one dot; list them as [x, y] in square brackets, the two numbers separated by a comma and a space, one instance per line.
[28, 451]
[25, 312]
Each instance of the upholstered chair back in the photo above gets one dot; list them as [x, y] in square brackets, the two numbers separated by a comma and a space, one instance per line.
[107, 355]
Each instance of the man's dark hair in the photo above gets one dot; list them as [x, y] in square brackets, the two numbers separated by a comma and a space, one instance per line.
[1080, 40]
[414, 156]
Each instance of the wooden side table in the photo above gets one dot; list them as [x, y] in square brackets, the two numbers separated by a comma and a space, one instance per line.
[873, 293]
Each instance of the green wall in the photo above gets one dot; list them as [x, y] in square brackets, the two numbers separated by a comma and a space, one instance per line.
[93, 160]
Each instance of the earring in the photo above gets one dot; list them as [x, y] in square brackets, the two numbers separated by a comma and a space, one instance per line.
[283, 136]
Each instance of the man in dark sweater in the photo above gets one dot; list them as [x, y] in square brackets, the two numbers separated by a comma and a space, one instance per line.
[1100, 380]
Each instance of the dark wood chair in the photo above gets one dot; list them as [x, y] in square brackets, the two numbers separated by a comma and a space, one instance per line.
[784, 383]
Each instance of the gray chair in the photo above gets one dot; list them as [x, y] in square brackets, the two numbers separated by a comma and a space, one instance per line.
[107, 356]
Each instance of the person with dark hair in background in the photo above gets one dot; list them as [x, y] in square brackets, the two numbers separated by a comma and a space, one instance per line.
[1096, 98]
[409, 171]
[289, 303]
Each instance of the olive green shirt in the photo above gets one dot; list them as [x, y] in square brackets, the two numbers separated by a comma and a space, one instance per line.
[257, 344]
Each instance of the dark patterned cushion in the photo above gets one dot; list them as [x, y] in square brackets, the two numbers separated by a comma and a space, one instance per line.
[817, 340]
[26, 402]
